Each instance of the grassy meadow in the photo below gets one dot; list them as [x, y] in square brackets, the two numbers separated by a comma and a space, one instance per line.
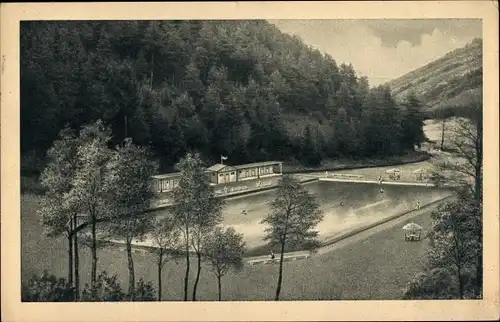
[377, 267]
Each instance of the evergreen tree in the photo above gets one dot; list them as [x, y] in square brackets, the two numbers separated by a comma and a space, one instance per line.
[412, 123]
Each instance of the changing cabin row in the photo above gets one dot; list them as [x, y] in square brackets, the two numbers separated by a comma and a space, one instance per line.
[223, 174]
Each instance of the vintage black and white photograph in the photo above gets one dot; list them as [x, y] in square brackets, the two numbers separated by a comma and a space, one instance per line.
[251, 160]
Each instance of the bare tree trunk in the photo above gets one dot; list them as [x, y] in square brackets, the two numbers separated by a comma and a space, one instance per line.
[70, 256]
[478, 171]
[443, 127]
[77, 269]
[219, 286]
[460, 283]
[479, 260]
[152, 69]
[186, 277]
[458, 259]
[280, 276]
[93, 278]
[77, 262]
[160, 262]
[198, 255]
[131, 275]
[479, 196]
[479, 275]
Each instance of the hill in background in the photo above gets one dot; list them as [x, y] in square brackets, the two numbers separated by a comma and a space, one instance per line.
[447, 85]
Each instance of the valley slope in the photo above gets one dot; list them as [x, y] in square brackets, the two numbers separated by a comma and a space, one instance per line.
[451, 82]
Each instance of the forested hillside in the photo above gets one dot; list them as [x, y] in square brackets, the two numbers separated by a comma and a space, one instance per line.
[237, 88]
[450, 83]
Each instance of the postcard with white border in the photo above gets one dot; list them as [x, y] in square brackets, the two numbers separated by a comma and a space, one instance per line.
[250, 161]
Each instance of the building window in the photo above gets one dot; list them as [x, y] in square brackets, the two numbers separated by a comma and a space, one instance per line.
[246, 173]
[232, 172]
[220, 175]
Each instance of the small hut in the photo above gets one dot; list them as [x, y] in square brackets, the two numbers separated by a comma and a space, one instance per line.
[394, 174]
[420, 174]
[412, 231]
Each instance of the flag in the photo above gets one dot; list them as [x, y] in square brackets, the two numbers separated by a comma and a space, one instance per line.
[223, 157]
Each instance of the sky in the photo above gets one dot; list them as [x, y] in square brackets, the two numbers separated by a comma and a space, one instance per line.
[384, 49]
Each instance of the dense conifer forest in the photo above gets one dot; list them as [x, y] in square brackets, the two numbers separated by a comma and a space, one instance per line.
[242, 89]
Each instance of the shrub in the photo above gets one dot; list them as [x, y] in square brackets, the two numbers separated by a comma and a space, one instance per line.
[47, 288]
[144, 291]
[108, 289]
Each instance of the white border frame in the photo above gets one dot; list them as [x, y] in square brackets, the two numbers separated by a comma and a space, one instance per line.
[14, 310]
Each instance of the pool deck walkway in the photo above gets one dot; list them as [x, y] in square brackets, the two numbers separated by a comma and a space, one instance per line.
[360, 180]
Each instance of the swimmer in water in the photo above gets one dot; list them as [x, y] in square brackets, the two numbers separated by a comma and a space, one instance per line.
[244, 212]
[341, 204]
[381, 190]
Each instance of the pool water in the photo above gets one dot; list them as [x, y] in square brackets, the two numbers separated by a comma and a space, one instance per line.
[345, 206]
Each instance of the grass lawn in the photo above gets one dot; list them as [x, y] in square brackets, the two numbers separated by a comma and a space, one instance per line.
[377, 267]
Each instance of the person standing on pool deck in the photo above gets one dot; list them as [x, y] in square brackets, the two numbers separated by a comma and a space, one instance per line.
[418, 204]
[272, 255]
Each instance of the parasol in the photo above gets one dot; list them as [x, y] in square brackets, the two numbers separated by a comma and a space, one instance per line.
[412, 227]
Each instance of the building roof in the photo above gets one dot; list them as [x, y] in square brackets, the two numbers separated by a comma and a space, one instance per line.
[167, 175]
[257, 164]
[218, 167]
